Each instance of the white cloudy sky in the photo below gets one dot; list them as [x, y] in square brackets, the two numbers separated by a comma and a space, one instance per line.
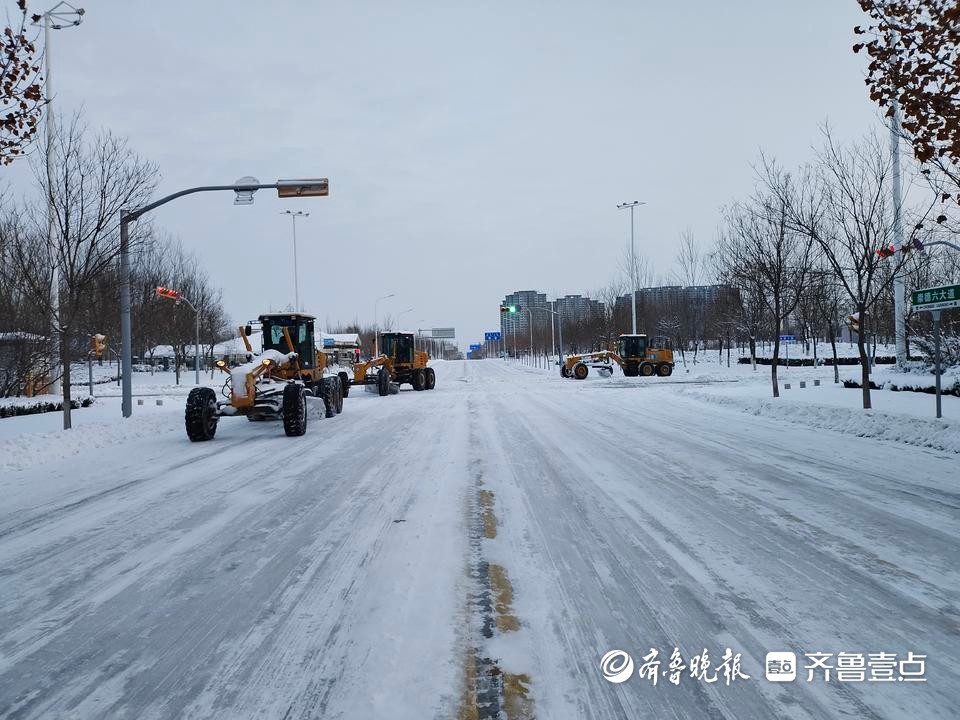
[472, 148]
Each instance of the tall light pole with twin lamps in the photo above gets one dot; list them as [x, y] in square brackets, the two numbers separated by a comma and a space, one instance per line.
[400, 315]
[376, 326]
[294, 214]
[633, 262]
[61, 15]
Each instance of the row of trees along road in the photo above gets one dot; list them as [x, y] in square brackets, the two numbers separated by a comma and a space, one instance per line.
[94, 175]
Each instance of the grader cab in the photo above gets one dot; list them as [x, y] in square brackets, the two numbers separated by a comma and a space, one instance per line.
[399, 362]
[273, 384]
[636, 355]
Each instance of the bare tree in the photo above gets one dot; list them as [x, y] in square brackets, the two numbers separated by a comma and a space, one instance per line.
[844, 209]
[92, 179]
[21, 91]
[692, 262]
[765, 256]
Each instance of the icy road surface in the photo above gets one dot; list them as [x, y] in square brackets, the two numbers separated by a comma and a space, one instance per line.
[472, 552]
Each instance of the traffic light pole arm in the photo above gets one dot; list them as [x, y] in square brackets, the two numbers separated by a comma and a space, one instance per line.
[127, 217]
[132, 215]
[943, 242]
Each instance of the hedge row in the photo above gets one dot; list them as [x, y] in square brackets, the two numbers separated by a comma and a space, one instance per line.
[34, 408]
[808, 362]
[893, 387]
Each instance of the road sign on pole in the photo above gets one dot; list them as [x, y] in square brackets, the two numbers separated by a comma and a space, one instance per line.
[445, 333]
[938, 298]
[491, 336]
[787, 338]
[934, 300]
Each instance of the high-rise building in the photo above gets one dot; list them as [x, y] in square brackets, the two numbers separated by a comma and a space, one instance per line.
[518, 322]
[674, 299]
[577, 308]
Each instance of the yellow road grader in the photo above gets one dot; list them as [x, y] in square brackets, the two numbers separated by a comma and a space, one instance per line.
[635, 354]
[399, 362]
[273, 384]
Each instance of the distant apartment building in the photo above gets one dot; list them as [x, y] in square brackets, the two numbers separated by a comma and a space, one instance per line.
[577, 308]
[670, 299]
[519, 322]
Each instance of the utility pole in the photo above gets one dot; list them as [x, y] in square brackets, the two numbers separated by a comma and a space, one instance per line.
[899, 291]
[376, 327]
[296, 268]
[61, 15]
[633, 262]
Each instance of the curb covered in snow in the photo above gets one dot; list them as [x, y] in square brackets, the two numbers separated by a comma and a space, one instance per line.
[29, 449]
[921, 432]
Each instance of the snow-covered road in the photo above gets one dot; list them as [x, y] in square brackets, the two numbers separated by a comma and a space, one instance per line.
[476, 549]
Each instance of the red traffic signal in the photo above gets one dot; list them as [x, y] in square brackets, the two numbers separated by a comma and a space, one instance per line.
[888, 251]
[168, 293]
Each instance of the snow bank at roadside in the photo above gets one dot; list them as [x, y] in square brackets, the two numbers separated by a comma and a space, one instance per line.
[930, 433]
[30, 449]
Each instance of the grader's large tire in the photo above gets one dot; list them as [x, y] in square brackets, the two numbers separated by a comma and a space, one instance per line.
[580, 371]
[344, 383]
[328, 393]
[564, 372]
[338, 387]
[201, 414]
[431, 379]
[419, 379]
[646, 369]
[631, 370]
[383, 383]
[665, 370]
[294, 410]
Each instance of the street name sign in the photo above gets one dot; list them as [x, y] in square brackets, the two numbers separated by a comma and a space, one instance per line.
[938, 298]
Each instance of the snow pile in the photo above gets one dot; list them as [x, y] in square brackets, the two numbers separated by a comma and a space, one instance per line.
[30, 449]
[930, 433]
[238, 375]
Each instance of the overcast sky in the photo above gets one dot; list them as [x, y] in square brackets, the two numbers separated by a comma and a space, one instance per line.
[473, 149]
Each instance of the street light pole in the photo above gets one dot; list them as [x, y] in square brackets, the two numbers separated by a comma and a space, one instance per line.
[633, 262]
[401, 314]
[244, 188]
[376, 326]
[65, 15]
[899, 290]
[296, 268]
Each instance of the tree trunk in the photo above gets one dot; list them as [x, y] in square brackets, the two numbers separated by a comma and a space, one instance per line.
[65, 381]
[776, 360]
[864, 362]
[753, 352]
[836, 363]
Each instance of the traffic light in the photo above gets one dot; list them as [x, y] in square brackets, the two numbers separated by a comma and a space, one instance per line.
[168, 293]
[509, 308]
[98, 343]
[887, 251]
[853, 322]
